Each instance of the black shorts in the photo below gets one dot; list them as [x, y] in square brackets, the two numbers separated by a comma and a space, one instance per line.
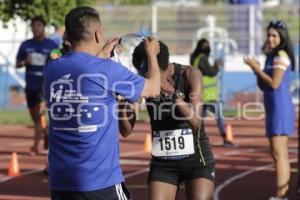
[115, 192]
[34, 97]
[176, 171]
[199, 165]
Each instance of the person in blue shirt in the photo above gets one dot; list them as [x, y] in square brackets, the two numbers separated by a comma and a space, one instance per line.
[274, 81]
[81, 89]
[33, 55]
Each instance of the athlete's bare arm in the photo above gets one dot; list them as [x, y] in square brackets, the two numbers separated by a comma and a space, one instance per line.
[127, 118]
[191, 110]
[152, 79]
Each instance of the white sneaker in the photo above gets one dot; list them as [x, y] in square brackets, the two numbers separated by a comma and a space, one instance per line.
[277, 198]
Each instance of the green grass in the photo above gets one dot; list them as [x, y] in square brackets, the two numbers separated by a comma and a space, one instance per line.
[235, 113]
[15, 117]
[143, 115]
[21, 117]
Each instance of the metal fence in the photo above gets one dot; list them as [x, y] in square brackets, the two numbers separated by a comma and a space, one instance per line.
[179, 27]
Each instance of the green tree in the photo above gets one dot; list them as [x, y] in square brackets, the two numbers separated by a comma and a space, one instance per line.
[53, 11]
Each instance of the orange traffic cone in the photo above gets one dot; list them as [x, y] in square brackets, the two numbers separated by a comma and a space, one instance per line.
[229, 134]
[148, 143]
[14, 169]
[43, 122]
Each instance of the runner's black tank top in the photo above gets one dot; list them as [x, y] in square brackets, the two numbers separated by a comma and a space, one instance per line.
[161, 118]
[162, 111]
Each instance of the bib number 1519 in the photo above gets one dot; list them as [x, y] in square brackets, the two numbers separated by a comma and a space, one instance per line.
[168, 143]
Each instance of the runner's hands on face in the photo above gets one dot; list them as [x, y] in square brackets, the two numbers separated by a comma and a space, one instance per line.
[165, 85]
[151, 46]
[108, 48]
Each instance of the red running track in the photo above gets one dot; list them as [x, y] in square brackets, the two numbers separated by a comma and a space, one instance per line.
[242, 173]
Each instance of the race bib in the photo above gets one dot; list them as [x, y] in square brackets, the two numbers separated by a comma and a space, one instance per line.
[172, 143]
[38, 59]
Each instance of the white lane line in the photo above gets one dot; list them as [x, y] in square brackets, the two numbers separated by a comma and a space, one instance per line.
[232, 153]
[241, 175]
[251, 150]
[137, 186]
[134, 162]
[145, 186]
[17, 197]
[139, 162]
[20, 144]
[8, 157]
[132, 153]
[4, 178]
[235, 152]
[23, 174]
[136, 172]
[5, 157]
[16, 144]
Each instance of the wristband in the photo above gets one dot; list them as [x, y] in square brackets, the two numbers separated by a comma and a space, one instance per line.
[177, 94]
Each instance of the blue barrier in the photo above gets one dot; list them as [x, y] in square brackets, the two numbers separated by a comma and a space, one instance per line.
[4, 86]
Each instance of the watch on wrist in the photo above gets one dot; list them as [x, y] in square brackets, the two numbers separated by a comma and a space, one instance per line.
[178, 94]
